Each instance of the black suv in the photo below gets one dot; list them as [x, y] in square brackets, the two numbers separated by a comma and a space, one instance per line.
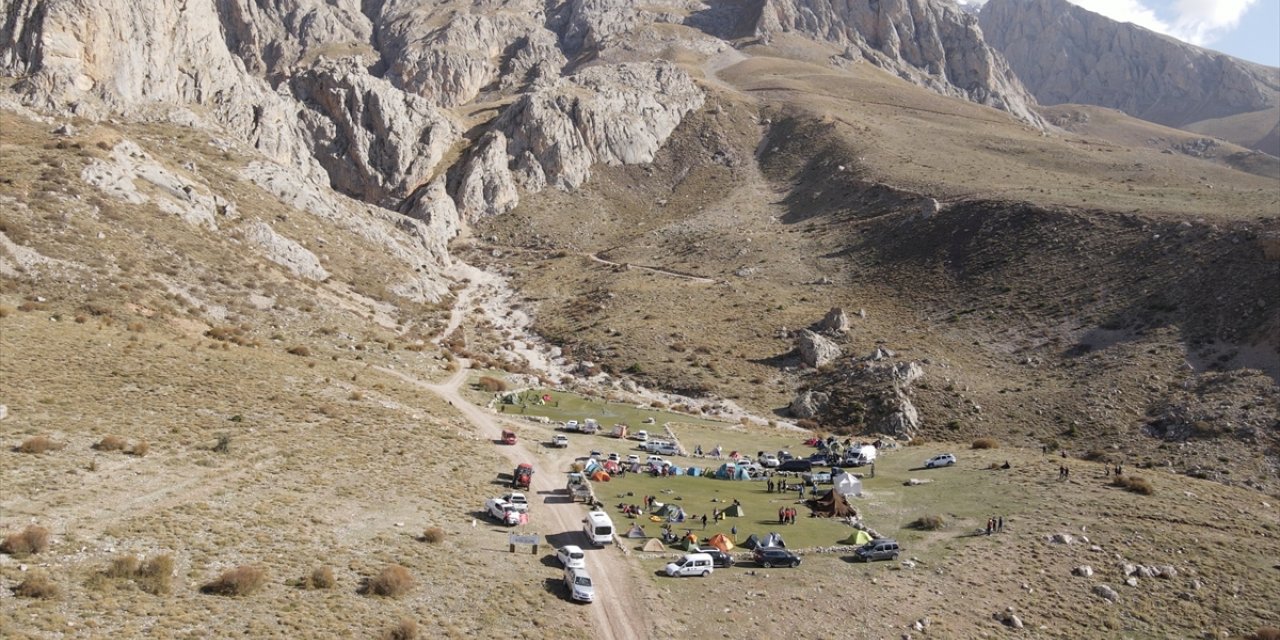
[775, 557]
[796, 465]
[881, 549]
[719, 559]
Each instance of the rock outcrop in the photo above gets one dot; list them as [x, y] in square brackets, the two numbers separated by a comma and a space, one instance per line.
[929, 42]
[816, 350]
[1066, 54]
[835, 322]
[809, 404]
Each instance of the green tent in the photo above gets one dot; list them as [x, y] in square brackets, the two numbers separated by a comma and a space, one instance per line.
[735, 511]
[858, 537]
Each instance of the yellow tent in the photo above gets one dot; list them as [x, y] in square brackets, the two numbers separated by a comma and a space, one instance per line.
[858, 537]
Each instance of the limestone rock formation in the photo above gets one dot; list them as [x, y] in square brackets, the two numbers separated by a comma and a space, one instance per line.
[902, 422]
[285, 252]
[835, 322]
[1066, 54]
[816, 350]
[809, 404]
[929, 42]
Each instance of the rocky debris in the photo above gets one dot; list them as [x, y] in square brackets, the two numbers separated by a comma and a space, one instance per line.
[928, 42]
[377, 143]
[1106, 593]
[1066, 54]
[171, 193]
[1084, 571]
[1009, 618]
[1062, 538]
[1133, 582]
[816, 350]
[285, 252]
[835, 322]
[1167, 572]
[809, 404]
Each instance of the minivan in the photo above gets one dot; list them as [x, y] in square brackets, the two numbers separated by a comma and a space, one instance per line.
[692, 564]
[882, 549]
[579, 584]
[598, 527]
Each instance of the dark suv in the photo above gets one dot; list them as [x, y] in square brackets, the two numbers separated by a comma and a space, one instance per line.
[881, 549]
[775, 557]
[804, 466]
[719, 559]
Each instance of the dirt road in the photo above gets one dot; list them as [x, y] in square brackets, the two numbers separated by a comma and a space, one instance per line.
[614, 612]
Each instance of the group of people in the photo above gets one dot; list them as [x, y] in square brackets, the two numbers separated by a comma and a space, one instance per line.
[1064, 473]
[786, 515]
[1119, 469]
[995, 525]
[631, 510]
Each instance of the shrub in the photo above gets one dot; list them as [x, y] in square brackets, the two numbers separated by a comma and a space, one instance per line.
[392, 582]
[928, 523]
[33, 539]
[37, 585]
[915, 442]
[434, 535]
[299, 350]
[1264, 633]
[986, 443]
[140, 448]
[240, 581]
[38, 444]
[155, 576]
[491, 384]
[136, 326]
[5, 310]
[111, 443]
[1136, 484]
[406, 629]
[320, 578]
[123, 567]
[224, 444]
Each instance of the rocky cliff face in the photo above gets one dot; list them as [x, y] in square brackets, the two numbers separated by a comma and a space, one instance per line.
[928, 42]
[1066, 54]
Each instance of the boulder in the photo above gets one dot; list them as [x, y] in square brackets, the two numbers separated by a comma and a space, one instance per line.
[1062, 538]
[835, 322]
[815, 350]
[1106, 593]
[809, 404]
[1084, 571]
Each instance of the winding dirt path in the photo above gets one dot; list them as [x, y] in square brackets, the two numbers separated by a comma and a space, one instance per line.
[613, 613]
[666, 272]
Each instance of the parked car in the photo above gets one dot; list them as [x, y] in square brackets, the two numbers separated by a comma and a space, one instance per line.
[641, 435]
[571, 556]
[522, 477]
[819, 477]
[560, 441]
[692, 564]
[719, 559]
[881, 549]
[579, 583]
[502, 511]
[571, 425]
[517, 500]
[775, 557]
[784, 455]
[614, 457]
[769, 460]
[508, 437]
[667, 449]
[940, 460]
[633, 459]
[803, 466]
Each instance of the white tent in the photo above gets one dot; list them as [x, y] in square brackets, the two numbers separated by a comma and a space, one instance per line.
[848, 485]
[868, 453]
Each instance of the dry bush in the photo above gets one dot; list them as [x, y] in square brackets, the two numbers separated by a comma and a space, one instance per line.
[123, 567]
[136, 326]
[140, 448]
[928, 523]
[916, 442]
[405, 629]
[30, 305]
[5, 310]
[37, 585]
[1264, 633]
[355, 396]
[299, 350]
[38, 444]
[986, 443]
[111, 443]
[33, 539]
[392, 582]
[155, 576]
[491, 384]
[1135, 484]
[240, 581]
[434, 535]
[808, 423]
[320, 578]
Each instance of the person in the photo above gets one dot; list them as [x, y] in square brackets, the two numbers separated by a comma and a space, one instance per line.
[991, 525]
[800, 491]
[873, 469]
[782, 515]
[770, 485]
[704, 521]
[697, 450]
[1000, 524]
[715, 514]
[736, 503]
[1006, 465]
[733, 532]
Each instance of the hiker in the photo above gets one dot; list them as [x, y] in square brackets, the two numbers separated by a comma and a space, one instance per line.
[770, 486]
[715, 514]
[873, 469]
[704, 521]
[1000, 524]
[1118, 470]
[697, 450]
[990, 525]
[782, 515]
[733, 532]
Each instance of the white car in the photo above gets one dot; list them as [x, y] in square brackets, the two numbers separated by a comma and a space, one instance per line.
[667, 449]
[517, 500]
[940, 460]
[656, 461]
[769, 460]
[641, 435]
[502, 511]
[571, 557]
[579, 583]
[559, 441]
[633, 459]
[571, 425]
[613, 457]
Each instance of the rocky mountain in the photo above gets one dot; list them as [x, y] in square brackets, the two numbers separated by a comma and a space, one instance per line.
[1066, 54]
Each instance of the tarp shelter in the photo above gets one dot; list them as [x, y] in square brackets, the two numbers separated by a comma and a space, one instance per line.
[654, 545]
[636, 531]
[848, 485]
[773, 540]
[751, 542]
[831, 505]
[858, 537]
[735, 511]
[721, 542]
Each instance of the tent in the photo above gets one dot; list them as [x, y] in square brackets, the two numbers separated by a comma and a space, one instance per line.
[611, 467]
[636, 531]
[773, 540]
[620, 431]
[672, 512]
[600, 476]
[731, 471]
[654, 545]
[848, 485]
[694, 471]
[831, 505]
[593, 466]
[674, 470]
[721, 542]
[858, 538]
[735, 511]
[751, 542]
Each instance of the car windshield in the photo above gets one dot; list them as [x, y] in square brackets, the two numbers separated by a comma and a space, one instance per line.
[582, 581]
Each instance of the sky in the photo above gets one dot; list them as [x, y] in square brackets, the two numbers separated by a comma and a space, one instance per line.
[1248, 29]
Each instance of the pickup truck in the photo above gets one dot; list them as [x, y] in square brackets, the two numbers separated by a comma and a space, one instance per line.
[503, 512]
[517, 501]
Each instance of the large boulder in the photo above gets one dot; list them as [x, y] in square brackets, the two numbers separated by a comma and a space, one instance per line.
[815, 350]
[835, 322]
[809, 404]
[904, 421]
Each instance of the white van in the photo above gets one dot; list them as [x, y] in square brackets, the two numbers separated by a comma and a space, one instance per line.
[598, 527]
[692, 564]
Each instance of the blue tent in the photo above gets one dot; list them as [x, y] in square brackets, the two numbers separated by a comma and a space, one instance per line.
[731, 471]
[695, 471]
[675, 471]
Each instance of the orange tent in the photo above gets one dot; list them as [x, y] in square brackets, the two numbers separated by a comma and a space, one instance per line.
[721, 542]
[600, 476]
